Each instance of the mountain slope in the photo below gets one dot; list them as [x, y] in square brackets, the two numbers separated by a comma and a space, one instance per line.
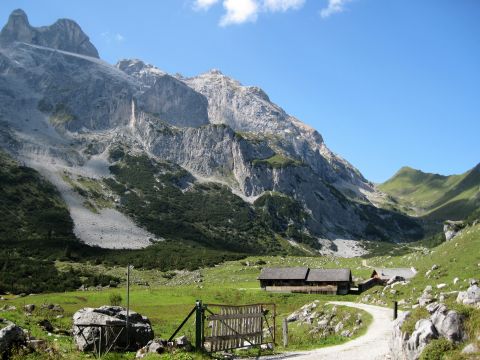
[64, 112]
[434, 196]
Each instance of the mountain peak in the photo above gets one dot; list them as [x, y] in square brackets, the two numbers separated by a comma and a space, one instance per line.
[64, 34]
[214, 72]
[17, 28]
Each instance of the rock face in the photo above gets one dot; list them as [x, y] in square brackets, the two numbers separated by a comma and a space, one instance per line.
[63, 35]
[10, 336]
[67, 108]
[139, 334]
[165, 96]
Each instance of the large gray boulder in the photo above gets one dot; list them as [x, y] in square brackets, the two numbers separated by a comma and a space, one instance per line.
[449, 324]
[424, 332]
[114, 318]
[10, 336]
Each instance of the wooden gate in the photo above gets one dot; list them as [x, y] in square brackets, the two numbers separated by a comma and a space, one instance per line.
[225, 327]
[231, 327]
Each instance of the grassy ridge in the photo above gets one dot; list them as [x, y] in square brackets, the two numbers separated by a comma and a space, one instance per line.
[433, 196]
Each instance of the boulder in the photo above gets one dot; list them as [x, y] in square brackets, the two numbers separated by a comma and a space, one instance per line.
[52, 307]
[10, 336]
[471, 348]
[470, 297]
[424, 332]
[449, 324]
[29, 308]
[156, 346]
[46, 325]
[37, 345]
[183, 343]
[139, 333]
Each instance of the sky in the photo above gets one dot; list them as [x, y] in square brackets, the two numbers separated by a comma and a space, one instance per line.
[388, 83]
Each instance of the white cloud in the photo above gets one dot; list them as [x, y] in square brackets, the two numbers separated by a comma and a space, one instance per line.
[333, 7]
[239, 11]
[109, 38]
[282, 5]
[204, 4]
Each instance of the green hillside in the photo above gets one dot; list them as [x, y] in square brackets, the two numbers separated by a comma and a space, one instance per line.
[433, 196]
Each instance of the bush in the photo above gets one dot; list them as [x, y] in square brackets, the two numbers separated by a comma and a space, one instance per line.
[437, 349]
[115, 299]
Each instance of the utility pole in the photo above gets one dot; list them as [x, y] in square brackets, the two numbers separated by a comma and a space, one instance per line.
[128, 306]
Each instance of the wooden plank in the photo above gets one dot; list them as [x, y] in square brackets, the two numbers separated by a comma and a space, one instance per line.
[229, 337]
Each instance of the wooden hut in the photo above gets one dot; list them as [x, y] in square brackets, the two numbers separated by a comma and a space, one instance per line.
[305, 280]
[329, 281]
[282, 277]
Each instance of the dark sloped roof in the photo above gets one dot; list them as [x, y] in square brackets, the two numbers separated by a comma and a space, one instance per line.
[385, 274]
[329, 275]
[293, 273]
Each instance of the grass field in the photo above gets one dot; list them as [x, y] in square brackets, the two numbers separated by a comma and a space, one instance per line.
[169, 296]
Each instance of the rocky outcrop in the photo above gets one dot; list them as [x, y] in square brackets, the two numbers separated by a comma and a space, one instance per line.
[452, 228]
[139, 334]
[443, 323]
[62, 35]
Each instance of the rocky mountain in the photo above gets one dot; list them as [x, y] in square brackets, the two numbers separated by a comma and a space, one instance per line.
[91, 128]
[65, 35]
[433, 196]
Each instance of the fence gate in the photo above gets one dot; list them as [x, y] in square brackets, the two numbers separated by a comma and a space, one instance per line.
[225, 327]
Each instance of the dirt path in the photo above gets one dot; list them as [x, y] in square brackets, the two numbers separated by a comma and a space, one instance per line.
[364, 263]
[371, 346]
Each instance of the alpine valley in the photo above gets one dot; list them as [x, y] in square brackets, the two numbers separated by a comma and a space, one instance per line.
[98, 157]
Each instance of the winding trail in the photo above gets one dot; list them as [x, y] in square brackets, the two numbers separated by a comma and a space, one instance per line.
[373, 345]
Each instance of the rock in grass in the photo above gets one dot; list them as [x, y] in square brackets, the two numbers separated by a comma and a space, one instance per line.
[139, 334]
[29, 308]
[10, 336]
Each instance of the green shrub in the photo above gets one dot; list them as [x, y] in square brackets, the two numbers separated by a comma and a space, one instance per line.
[437, 349]
[115, 299]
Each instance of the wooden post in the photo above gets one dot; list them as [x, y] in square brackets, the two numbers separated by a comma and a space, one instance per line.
[198, 325]
[285, 332]
[395, 310]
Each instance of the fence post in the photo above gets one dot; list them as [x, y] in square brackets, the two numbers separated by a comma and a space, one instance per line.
[395, 310]
[285, 332]
[199, 325]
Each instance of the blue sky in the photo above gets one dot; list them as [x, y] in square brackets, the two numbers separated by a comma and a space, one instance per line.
[387, 83]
